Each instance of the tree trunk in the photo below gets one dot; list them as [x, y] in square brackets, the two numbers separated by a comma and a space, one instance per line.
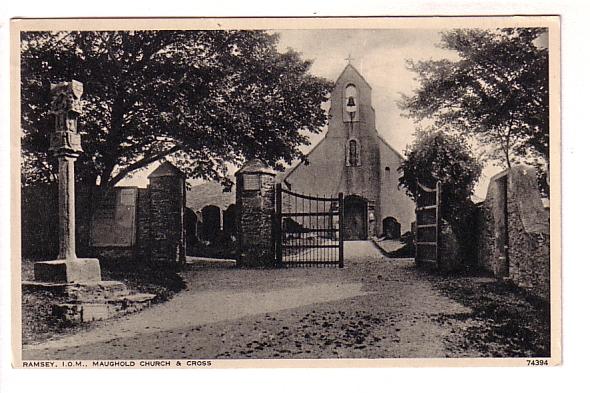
[507, 147]
[507, 156]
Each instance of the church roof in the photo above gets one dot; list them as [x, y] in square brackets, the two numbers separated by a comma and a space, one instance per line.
[388, 145]
[281, 177]
[351, 69]
[166, 169]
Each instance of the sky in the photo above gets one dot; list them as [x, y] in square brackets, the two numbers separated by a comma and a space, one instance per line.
[381, 57]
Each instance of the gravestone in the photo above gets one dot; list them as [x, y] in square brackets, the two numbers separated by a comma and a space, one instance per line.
[211, 222]
[391, 228]
[229, 220]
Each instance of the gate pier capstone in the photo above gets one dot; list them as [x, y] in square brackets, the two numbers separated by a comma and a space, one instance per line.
[255, 203]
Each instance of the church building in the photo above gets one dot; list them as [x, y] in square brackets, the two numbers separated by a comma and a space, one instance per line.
[354, 159]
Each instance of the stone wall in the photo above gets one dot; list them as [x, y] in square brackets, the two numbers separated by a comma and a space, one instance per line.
[143, 225]
[450, 256]
[115, 254]
[39, 221]
[158, 216]
[85, 197]
[486, 236]
[113, 224]
[514, 231]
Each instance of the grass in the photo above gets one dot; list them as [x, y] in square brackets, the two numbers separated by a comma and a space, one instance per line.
[503, 314]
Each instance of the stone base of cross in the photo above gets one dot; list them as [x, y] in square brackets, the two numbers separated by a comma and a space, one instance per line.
[79, 270]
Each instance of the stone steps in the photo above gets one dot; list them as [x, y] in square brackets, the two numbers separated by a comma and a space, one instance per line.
[91, 301]
[79, 312]
[97, 292]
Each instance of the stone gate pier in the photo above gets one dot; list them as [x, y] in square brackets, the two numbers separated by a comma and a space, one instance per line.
[255, 203]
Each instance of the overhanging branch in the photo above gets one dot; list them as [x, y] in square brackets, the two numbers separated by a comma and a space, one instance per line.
[140, 164]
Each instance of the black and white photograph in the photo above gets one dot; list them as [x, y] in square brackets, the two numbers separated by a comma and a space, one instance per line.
[295, 192]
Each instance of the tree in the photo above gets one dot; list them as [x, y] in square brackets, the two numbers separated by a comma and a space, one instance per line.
[437, 155]
[205, 98]
[497, 90]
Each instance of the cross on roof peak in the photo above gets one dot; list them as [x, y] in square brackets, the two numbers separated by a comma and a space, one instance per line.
[349, 58]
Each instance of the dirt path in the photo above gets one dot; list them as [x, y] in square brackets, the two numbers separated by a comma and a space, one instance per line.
[375, 307]
[201, 308]
[356, 250]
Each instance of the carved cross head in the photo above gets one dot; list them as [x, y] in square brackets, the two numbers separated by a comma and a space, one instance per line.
[66, 105]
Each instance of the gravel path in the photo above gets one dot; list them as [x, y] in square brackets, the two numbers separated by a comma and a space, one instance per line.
[373, 308]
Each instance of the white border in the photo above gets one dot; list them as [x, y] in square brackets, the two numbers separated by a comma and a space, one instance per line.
[575, 266]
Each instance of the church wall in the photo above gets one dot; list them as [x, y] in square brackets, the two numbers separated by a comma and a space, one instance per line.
[363, 180]
[319, 177]
[394, 200]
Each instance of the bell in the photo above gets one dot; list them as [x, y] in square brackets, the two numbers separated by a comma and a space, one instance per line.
[350, 102]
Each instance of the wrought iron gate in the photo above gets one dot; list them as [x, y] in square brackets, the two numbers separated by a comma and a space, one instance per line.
[427, 225]
[309, 229]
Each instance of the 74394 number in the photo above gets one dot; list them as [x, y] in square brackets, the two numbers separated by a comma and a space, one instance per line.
[537, 362]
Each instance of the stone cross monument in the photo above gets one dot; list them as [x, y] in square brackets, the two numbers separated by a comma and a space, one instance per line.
[65, 145]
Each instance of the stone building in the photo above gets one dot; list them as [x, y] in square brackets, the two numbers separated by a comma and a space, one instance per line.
[354, 159]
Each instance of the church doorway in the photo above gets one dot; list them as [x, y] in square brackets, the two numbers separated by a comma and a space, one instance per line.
[355, 218]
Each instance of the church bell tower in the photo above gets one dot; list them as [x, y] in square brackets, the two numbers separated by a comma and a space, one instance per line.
[352, 126]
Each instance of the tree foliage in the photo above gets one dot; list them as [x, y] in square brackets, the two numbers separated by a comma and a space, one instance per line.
[497, 90]
[205, 98]
[436, 155]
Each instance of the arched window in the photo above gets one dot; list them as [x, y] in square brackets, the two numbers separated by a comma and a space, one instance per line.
[353, 153]
[350, 91]
[350, 103]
